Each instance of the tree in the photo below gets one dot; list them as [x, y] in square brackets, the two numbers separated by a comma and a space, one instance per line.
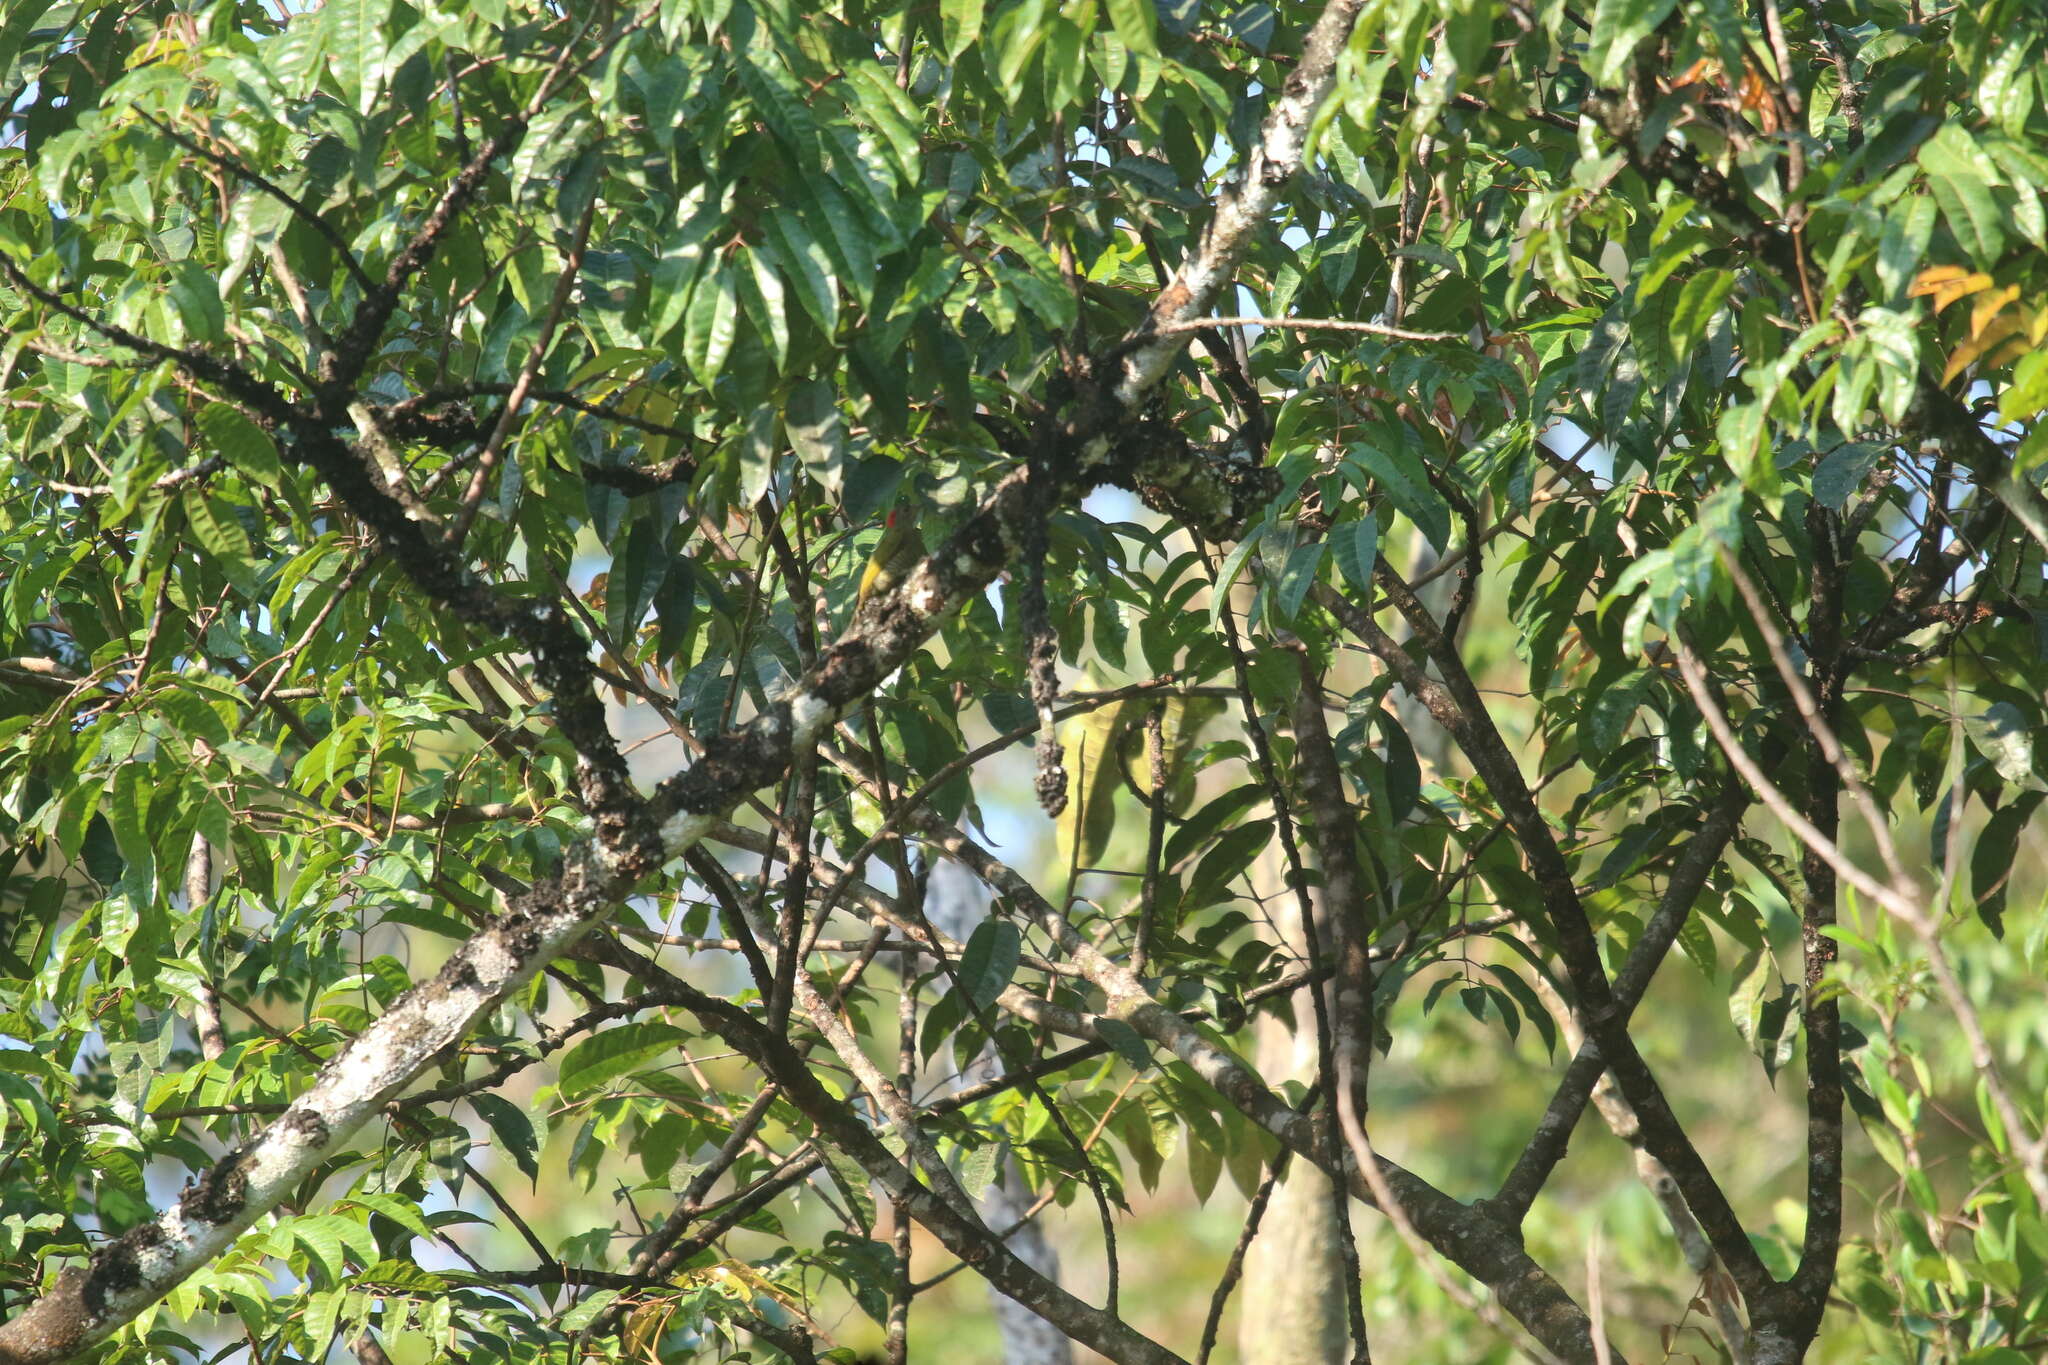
[1591, 482]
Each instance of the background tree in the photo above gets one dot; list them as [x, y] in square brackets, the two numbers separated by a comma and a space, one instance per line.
[472, 846]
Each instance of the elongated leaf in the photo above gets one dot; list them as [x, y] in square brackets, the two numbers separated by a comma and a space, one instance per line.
[357, 48]
[217, 529]
[989, 960]
[962, 23]
[603, 1057]
[1399, 474]
[808, 267]
[764, 296]
[1357, 545]
[711, 322]
[1135, 24]
[1296, 578]
[812, 420]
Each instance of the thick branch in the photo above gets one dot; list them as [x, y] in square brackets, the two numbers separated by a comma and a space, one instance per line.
[1553, 1133]
[1244, 208]
[1455, 703]
[1349, 902]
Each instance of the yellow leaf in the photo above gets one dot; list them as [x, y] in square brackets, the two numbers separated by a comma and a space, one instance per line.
[1987, 306]
[1091, 741]
[1700, 72]
[2009, 353]
[645, 1326]
[1947, 283]
[1967, 354]
[1934, 276]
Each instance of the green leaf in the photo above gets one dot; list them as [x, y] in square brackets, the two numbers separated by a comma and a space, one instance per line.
[2002, 735]
[1699, 299]
[638, 570]
[1995, 859]
[806, 265]
[853, 1182]
[1403, 769]
[1893, 339]
[1296, 578]
[712, 322]
[979, 1167]
[781, 108]
[848, 238]
[1745, 1002]
[1125, 1041]
[811, 417]
[1233, 565]
[223, 538]
[682, 256]
[1134, 23]
[1019, 32]
[989, 961]
[961, 21]
[1697, 942]
[764, 303]
[127, 811]
[241, 443]
[1400, 475]
[891, 113]
[1613, 711]
[318, 1237]
[1618, 26]
[1957, 172]
[1227, 860]
[1837, 477]
[603, 1057]
[357, 47]
[1207, 819]
[758, 453]
[196, 294]
[1357, 544]
[1521, 992]
[1908, 227]
[21, 19]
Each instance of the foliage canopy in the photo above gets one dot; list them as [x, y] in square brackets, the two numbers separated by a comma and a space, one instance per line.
[448, 777]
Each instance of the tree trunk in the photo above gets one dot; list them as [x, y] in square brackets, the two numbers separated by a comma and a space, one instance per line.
[1291, 1304]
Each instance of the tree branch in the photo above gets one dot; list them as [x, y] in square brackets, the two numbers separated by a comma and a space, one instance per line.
[1489, 1252]
[1455, 703]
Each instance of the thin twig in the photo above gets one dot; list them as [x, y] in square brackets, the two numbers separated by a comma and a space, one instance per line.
[1816, 723]
[487, 458]
[2033, 1150]
[1233, 1269]
[1378, 329]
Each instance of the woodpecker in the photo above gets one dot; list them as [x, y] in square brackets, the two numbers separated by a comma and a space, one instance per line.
[896, 553]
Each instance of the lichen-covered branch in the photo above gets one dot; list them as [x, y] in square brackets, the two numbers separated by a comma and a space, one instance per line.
[1243, 209]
